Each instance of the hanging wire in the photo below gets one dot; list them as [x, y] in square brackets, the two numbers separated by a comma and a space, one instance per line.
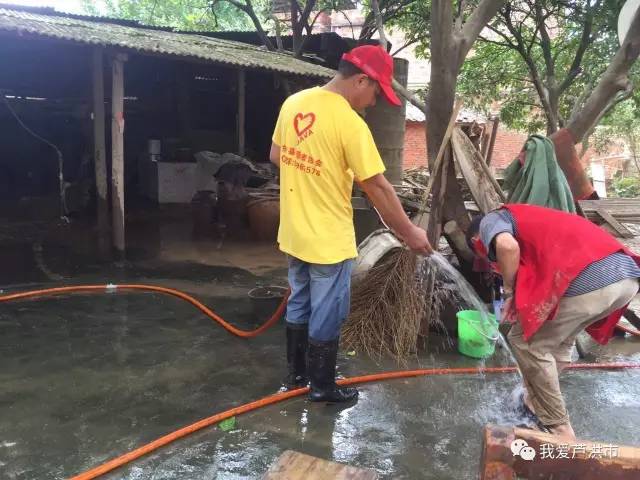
[63, 203]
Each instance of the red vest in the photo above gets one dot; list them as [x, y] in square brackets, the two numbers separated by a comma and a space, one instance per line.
[555, 247]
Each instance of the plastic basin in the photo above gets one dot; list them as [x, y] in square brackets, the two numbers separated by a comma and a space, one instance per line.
[477, 337]
[265, 300]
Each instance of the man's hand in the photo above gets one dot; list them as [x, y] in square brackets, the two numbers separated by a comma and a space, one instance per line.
[384, 198]
[416, 240]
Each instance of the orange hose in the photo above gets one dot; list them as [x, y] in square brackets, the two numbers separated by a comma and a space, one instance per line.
[279, 397]
[263, 402]
[152, 288]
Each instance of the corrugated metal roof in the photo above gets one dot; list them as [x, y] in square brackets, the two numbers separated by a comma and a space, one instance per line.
[414, 114]
[144, 40]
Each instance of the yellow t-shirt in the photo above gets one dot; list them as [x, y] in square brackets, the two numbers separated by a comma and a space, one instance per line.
[323, 144]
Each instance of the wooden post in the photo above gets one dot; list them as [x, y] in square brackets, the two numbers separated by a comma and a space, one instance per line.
[117, 150]
[291, 465]
[484, 142]
[492, 142]
[99, 149]
[241, 111]
[387, 124]
[485, 190]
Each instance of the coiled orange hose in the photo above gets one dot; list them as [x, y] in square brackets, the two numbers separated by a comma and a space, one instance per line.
[279, 397]
[263, 402]
[152, 288]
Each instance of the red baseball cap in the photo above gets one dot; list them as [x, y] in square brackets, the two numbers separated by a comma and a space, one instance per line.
[377, 64]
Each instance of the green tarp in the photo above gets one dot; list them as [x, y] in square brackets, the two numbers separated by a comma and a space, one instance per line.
[540, 181]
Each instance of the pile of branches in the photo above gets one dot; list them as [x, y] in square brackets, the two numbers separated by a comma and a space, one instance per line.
[388, 307]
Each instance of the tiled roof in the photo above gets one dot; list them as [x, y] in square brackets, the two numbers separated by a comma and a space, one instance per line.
[414, 114]
[151, 41]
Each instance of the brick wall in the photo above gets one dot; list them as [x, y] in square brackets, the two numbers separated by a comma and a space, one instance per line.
[508, 145]
[415, 145]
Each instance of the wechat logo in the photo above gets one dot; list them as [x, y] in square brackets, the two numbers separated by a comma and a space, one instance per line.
[521, 448]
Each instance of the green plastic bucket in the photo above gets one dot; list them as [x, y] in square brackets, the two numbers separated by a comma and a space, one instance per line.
[477, 337]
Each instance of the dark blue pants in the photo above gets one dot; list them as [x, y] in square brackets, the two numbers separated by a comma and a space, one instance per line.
[320, 296]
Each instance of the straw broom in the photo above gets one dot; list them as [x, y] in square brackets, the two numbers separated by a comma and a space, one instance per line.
[389, 303]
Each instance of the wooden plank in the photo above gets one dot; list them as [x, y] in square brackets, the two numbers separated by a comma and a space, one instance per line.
[242, 84]
[482, 188]
[421, 220]
[117, 151]
[618, 207]
[492, 142]
[99, 148]
[617, 226]
[298, 466]
[584, 460]
[485, 168]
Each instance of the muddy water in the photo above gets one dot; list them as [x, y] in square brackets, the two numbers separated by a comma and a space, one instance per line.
[88, 377]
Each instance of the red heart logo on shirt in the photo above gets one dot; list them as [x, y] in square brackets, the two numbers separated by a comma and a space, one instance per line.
[302, 123]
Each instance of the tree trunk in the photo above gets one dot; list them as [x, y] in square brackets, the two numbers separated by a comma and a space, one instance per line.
[449, 48]
[553, 114]
[442, 88]
[614, 80]
[296, 30]
[100, 150]
[443, 82]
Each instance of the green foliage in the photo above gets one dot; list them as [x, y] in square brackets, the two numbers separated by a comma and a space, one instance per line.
[623, 123]
[412, 17]
[495, 74]
[197, 15]
[517, 75]
[628, 187]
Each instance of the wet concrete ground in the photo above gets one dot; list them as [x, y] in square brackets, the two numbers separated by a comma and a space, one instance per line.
[86, 378]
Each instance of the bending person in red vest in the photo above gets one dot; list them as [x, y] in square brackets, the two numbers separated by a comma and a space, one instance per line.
[561, 274]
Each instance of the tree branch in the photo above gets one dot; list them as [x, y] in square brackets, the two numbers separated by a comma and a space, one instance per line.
[545, 43]
[621, 97]
[376, 13]
[614, 80]
[276, 20]
[460, 15]
[153, 11]
[410, 97]
[247, 8]
[308, 7]
[353, 33]
[480, 17]
[585, 40]
[309, 26]
[506, 44]
[406, 44]
[533, 69]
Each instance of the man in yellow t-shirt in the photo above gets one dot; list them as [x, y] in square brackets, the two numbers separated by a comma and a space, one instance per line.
[321, 145]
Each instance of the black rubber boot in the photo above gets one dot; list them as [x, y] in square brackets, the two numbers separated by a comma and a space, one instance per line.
[297, 344]
[322, 374]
